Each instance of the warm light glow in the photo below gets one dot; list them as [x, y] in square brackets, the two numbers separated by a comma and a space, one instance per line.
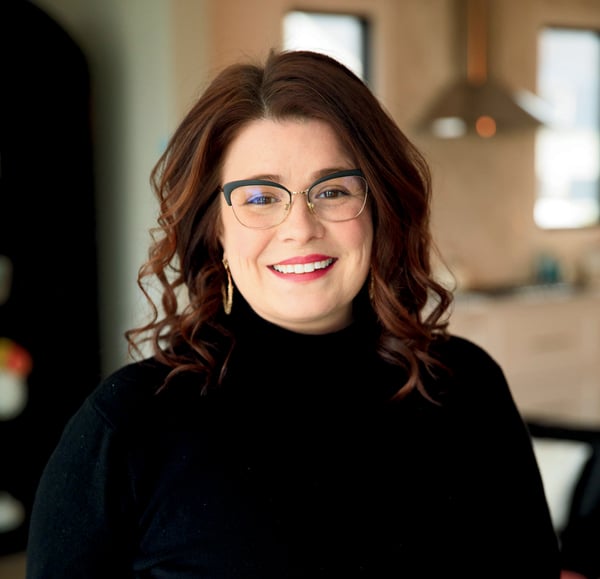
[485, 126]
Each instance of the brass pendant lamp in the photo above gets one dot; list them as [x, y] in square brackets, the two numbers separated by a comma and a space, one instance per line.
[476, 104]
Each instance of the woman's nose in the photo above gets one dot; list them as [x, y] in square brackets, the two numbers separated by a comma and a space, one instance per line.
[301, 222]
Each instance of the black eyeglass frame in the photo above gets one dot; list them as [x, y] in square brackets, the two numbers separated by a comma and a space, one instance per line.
[227, 189]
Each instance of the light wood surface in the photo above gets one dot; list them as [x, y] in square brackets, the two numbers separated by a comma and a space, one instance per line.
[12, 566]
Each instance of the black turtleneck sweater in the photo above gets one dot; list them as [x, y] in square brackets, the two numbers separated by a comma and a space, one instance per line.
[298, 466]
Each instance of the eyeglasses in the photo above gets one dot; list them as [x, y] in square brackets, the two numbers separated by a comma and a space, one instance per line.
[261, 204]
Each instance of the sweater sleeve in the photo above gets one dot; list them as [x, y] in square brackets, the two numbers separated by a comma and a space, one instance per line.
[77, 527]
[504, 481]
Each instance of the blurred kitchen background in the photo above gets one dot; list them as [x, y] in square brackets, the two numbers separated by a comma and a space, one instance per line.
[502, 96]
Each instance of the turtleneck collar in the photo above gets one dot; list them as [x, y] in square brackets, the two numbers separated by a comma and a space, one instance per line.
[243, 320]
[343, 363]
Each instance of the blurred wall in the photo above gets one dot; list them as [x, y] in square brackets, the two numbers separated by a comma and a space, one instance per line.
[129, 50]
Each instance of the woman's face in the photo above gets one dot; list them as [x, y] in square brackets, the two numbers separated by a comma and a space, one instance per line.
[303, 298]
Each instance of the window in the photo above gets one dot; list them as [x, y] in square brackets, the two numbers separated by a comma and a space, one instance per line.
[342, 36]
[567, 147]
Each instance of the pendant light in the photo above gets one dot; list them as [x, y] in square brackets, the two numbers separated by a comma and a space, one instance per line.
[477, 104]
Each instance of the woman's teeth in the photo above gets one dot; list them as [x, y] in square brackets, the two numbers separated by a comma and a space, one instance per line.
[303, 267]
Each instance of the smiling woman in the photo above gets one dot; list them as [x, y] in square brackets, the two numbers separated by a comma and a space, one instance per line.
[293, 241]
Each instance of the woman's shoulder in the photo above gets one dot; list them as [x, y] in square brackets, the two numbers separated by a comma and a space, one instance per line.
[128, 393]
[136, 379]
[457, 351]
[469, 370]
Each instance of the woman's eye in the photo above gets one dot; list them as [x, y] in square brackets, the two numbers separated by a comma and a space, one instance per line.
[330, 194]
[262, 198]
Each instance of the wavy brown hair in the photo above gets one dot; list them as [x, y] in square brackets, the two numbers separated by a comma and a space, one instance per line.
[185, 254]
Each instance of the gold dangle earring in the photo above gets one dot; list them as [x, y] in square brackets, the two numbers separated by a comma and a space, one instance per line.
[371, 284]
[227, 291]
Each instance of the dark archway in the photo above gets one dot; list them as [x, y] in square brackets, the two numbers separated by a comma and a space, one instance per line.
[49, 295]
